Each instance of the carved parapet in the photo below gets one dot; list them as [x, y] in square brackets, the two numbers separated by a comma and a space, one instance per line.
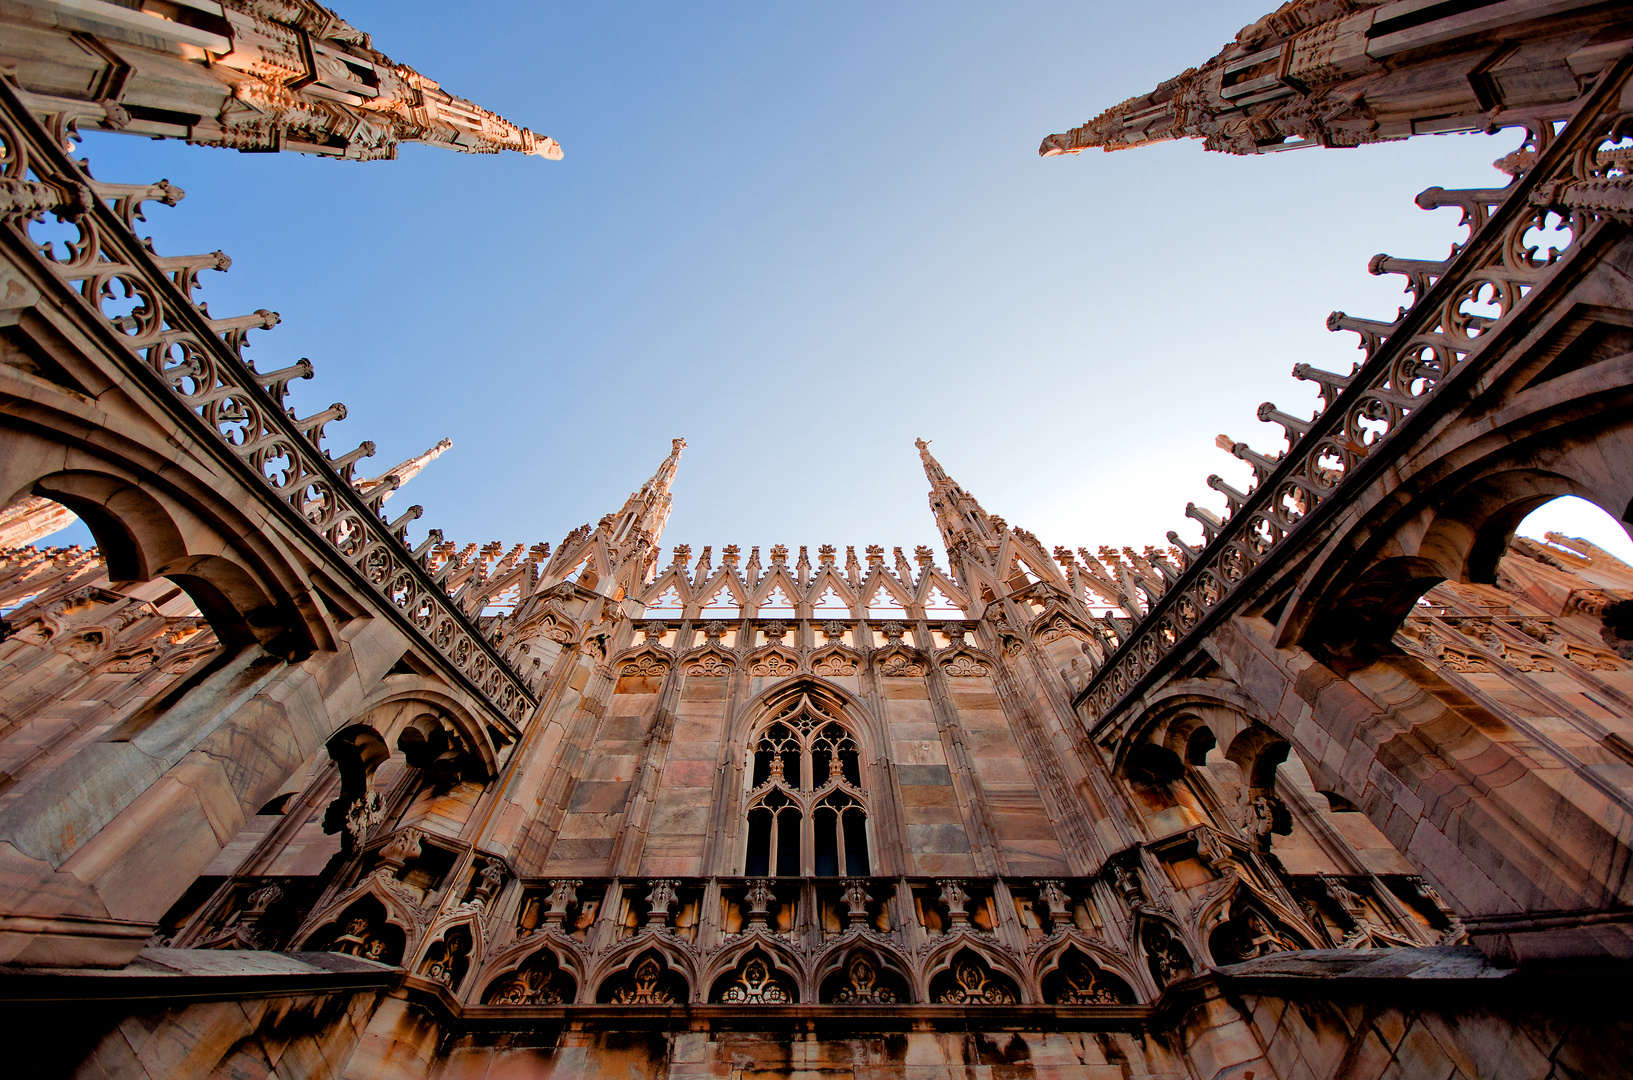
[227, 402]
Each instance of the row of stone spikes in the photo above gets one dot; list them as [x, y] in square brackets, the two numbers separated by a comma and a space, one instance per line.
[461, 573]
[1125, 578]
[127, 201]
[827, 555]
[1476, 206]
[474, 574]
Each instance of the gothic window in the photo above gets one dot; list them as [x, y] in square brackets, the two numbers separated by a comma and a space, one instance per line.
[807, 805]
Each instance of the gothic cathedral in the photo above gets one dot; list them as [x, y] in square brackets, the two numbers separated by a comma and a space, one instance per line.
[1346, 791]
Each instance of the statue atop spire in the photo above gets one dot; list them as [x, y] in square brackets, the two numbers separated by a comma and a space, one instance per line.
[1347, 72]
[252, 75]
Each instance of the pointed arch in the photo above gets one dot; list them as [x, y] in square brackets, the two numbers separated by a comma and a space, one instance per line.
[519, 955]
[831, 596]
[645, 973]
[669, 602]
[1162, 944]
[1117, 965]
[722, 597]
[709, 661]
[900, 661]
[758, 978]
[1077, 977]
[886, 598]
[784, 698]
[963, 972]
[861, 973]
[939, 604]
[541, 978]
[452, 953]
[1057, 621]
[369, 922]
[774, 597]
[648, 661]
[771, 661]
[807, 776]
[836, 662]
[966, 663]
[1256, 926]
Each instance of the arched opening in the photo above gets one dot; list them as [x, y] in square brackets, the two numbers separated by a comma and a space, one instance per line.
[863, 980]
[648, 980]
[446, 961]
[1577, 518]
[970, 980]
[807, 806]
[1078, 980]
[358, 751]
[539, 980]
[1249, 933]
[361, 930]
[754, 981]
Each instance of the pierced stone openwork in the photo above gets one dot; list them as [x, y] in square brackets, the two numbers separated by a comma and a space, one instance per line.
[648, 981]
[755, 982]
[539, 981]
[862, 982]
[970, 980]
[362, 930]
[807, 805]
[1077, 980]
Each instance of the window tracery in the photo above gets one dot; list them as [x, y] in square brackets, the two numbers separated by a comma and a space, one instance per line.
[807, 803]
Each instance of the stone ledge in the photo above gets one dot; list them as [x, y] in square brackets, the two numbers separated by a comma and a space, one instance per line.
[199, 974]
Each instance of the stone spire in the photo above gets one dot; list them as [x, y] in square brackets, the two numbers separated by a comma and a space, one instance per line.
[1347, 72]
[28, 520]
[404, 471]
[646, 511]
[613, 556]
[251, 75]
[962, 520]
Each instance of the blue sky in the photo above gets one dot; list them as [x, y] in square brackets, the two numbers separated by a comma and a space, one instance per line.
[801, 235]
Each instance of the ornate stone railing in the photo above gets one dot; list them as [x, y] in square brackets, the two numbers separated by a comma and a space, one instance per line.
[172, 344]
[1564, 186]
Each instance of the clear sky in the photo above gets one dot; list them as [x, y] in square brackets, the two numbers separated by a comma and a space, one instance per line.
[801, 235]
